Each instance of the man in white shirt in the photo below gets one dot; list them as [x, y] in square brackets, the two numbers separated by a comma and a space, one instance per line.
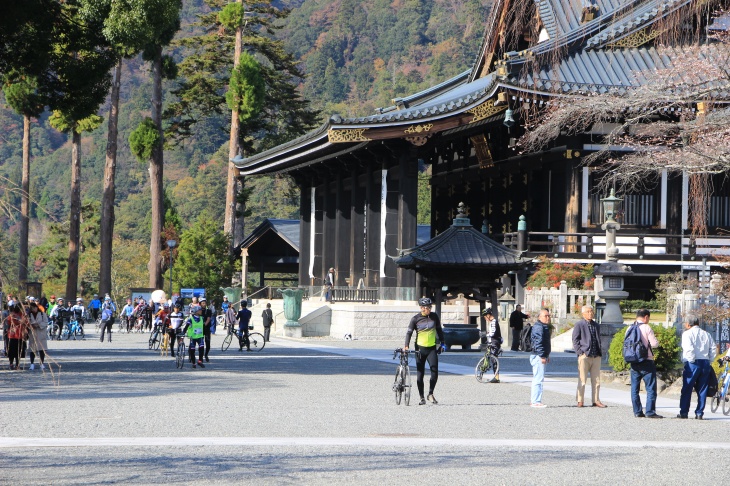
[698, 351]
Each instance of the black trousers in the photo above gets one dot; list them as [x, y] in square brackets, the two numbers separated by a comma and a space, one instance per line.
[42, 355]
[106, 325]
[516, 338]
[427, 354]
[207, 343]
[267, 333]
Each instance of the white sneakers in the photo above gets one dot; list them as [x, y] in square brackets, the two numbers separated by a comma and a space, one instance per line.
[32, 367]
[42, 367]
[538, 405]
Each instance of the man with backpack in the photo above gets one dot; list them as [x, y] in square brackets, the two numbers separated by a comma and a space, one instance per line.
[639, 341]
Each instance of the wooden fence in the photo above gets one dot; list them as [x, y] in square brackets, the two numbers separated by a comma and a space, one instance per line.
[561, 301]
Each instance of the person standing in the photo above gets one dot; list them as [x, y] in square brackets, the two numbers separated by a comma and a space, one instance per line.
[94, 307]
[207, 318]
[225, 305]
[516, 323]
[698, 351]
[176, 319]
[587, 345]
[427, 326]
[540, 356]
[51, 305]
[107, 319]
[244, 318]
[127, 312]
[268, 317]
[37, 341]
[644, 370]
[329, 283]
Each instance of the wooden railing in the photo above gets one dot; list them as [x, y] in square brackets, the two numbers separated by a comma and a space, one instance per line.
[631, 245]
[350, 294]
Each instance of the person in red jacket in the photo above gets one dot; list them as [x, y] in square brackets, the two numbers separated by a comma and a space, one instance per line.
[17, 325]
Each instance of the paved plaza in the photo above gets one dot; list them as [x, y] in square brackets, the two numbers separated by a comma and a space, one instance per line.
[322, 412]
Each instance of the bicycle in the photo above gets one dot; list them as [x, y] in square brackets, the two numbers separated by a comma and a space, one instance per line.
[487, 369]
[723, 383]
[52, 330]
[181, 351]
[402, 384]
[255, 339]
[73, 328]
[155, 340]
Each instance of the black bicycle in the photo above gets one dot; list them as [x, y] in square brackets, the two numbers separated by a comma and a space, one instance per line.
[255, 339]
[155, 337]
[402, 384]
[181, 351]
[487, 370]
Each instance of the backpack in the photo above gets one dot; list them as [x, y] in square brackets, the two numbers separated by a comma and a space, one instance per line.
[526, 338]
[634, 350]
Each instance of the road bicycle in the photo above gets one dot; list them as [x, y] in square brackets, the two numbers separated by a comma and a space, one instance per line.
[487, 369]
[402, 384]
[255, 339]
[723, 383]
[181, 351]
[155, 337]
[52, 330]
[73, 328]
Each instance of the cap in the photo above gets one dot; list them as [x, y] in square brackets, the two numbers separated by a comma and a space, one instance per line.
[53, 297]
[202, 299]
[30, 298]
[96, 295]
[487, 312]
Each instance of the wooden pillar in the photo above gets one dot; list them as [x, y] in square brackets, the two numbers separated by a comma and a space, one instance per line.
[372, 249]
[342, 236]
[407, 211]
[572, 205]
[305, 234]
[329, 235]
[357, 228]
[244, 272]
[392, 220]
[261, 274]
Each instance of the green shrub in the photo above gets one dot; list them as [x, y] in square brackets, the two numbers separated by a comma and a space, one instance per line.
[634, 305]
[666, 356]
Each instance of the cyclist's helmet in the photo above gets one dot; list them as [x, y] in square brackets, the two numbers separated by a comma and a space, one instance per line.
[195, 308]
[487, 312]
[60, 300]
[203, 299]
[107, 299]
[79, 300]
[424, 301]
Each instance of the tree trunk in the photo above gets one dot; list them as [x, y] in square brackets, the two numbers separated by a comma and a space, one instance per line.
[229, 223]
[108, 194]
[24, 205]
[158, 210]
[72, 278]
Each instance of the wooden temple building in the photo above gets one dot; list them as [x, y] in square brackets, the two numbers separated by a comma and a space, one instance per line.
[358, 176]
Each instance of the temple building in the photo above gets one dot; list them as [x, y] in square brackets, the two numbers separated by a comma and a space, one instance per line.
[358, 176]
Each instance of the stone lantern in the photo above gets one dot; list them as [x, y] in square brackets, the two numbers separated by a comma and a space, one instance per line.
[613, 274]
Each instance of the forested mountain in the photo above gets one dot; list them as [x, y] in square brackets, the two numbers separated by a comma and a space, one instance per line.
[357, 55]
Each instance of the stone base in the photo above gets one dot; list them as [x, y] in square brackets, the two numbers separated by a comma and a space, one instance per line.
[293, 331]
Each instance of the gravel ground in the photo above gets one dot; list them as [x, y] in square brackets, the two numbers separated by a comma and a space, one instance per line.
[122, 390]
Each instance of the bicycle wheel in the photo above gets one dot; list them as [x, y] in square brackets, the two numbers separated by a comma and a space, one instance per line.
[715, 402]
[256, 341]
[154, 339]
[487, 369]
[407, 384]
[220, 320]
[79, 333]
[66, 333]
[480, 369]
[725, 405]
[227, 342]
[180, 356]
[398, 385]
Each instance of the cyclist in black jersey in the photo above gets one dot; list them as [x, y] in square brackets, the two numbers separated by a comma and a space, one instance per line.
[428, 327]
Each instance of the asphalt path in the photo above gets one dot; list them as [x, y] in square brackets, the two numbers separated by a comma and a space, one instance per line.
[322, 412]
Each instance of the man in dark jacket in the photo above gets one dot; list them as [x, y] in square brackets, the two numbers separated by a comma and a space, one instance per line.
[516, 320]
[268, 318]
[540, 356]
[587, 345]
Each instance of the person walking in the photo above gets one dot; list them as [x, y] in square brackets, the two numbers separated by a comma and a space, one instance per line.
[244, 318]
[644, 370]
[516, 323]
[37, 341]
[540, 356]
[127, 312]
[94, 307]
[587, 345]
[268, 318]
[698, 351]
[17, 327]
[194, 329]
[176, 319]
[329, 283]
[427, 326]
[207, 318]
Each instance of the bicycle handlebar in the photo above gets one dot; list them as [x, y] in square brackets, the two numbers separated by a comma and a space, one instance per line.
[400, 350]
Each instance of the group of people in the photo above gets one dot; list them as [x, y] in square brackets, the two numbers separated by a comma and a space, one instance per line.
[24, 327]
[698, 352]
